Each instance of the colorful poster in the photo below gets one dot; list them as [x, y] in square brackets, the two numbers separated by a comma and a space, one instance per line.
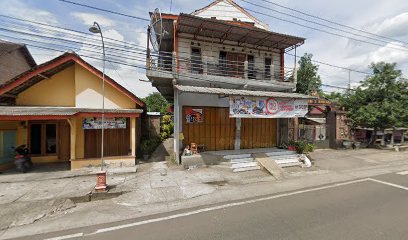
[110, 123]
[194, 115]
[263, 107]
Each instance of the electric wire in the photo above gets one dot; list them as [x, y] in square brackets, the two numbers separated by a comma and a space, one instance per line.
[333, 22]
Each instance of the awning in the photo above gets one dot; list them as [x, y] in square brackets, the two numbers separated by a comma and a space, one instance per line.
[240, 92]
[318, 120]
[218, 29]
[32, 113]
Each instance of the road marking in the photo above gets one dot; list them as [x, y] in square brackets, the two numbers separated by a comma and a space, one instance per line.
[403, 173]
[389, 184]
[66, 236]
[108, 229]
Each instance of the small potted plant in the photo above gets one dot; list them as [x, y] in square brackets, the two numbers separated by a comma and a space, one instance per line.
[292, 145]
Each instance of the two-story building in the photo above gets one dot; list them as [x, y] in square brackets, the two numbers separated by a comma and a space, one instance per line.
[225, 73]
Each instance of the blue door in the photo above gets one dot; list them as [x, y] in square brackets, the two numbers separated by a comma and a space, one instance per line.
[7, 140]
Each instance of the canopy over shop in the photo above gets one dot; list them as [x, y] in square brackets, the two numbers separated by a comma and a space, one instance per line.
[226, 119]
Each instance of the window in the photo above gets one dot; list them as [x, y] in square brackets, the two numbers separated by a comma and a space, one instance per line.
[196, 63]
[43, 138]
[232, 64]
[251, 66]
[223, 63]
[268, 62]
[277, 66]
[35, 139]
[50, 138]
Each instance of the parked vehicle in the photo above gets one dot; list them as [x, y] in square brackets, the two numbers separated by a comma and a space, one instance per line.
[22, 159]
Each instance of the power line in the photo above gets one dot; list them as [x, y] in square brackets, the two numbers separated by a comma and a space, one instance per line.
[320, 62]
[324, 25]
[105, 10]
[114, 50]
[60, 28]
[335, 23]
[110, 60]
[331, 65]
[324, 31]
[98, 46]
[140, 59]
[332, 86]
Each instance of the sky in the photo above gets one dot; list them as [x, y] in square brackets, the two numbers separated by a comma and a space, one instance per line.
[387, 18]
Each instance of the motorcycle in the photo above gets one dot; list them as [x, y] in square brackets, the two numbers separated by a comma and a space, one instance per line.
[22, 159]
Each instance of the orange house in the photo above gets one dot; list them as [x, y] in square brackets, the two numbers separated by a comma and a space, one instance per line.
[55, 109]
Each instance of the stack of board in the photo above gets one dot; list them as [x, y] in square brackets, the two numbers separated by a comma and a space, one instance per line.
[285, 158]
[242, 162]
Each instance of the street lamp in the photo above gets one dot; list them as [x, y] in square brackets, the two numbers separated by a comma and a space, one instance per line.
[101, 176]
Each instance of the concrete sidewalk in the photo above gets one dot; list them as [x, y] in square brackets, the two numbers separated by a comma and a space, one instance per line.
[56, 204]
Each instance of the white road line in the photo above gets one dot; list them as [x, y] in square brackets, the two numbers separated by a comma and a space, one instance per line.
[225, 206]
[66, 236]
[403, 173]
[389, 184]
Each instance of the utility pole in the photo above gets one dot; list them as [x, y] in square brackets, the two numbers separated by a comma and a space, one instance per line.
[349, 84]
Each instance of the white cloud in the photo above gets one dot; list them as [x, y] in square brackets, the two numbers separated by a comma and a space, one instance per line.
[395, 26]
[89, 18]
[388, 54]
[112, 33]
[20, 9]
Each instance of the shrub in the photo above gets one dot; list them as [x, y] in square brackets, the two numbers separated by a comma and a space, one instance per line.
[303, 147]
[166, 119]
[310, 147]
[164, 136]
[171, 127]
[167, 127]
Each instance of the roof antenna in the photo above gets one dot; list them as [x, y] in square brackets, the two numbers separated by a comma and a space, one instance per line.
[171, 3]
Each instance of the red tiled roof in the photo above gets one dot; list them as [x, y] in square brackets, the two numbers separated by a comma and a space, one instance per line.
[36, 74]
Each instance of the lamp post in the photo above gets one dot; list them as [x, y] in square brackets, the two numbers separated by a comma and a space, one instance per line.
[101, 176]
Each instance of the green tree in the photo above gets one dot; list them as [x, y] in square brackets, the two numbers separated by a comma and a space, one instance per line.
[335, 97]
[381, 100]
[155, 102]
[307, 77]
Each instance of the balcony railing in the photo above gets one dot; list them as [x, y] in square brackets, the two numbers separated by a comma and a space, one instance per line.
[223, 68]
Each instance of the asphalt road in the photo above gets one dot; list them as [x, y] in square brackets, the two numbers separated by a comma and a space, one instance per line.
[374, 208]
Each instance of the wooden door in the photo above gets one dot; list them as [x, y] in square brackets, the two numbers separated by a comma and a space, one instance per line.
[116, 142]
[64, 149]
[258, 132]
[216, 131]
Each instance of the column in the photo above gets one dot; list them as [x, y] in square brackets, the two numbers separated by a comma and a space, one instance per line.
[73, 130]
[383, 138]
[246, 70]
[392, 137]
[177, 122]
[295, 128]
[205, 65]
[237, 144]
[133, 135]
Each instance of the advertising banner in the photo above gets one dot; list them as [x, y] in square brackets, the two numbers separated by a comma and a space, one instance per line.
[110, 123]
[264, 107]
[194, 115]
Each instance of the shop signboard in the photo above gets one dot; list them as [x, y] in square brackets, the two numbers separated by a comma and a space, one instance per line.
[110, 123]
[264, 107]
[194, 115]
